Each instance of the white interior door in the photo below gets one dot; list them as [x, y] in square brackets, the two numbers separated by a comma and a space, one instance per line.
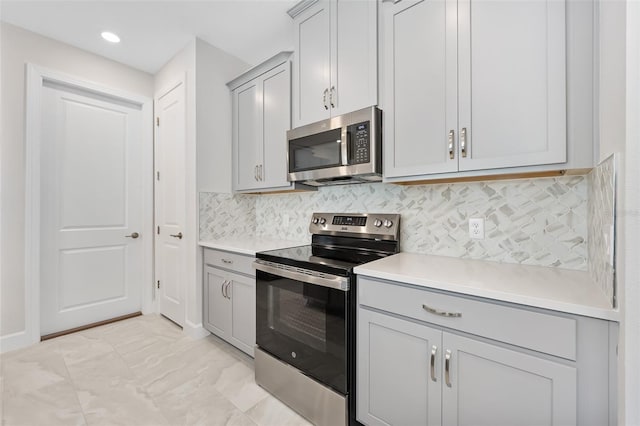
[170, 203]
[91, 186]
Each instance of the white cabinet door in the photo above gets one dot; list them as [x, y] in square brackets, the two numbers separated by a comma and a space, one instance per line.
[242, 298]
[493, 386]
[247, 135]
[217, 313]
[395, 381]
[420, 107]
[512, 82]
[354, 58]
[276, 113]
[311, 72]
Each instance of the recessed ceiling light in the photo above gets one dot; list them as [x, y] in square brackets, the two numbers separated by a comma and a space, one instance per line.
[111, 37]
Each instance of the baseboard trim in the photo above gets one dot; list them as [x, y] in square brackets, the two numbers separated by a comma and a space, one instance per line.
[195, 331]
[14, 341]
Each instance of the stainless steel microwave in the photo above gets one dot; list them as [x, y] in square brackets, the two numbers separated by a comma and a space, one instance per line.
[341, 150]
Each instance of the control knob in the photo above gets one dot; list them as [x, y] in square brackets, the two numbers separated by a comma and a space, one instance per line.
[377, 223]
[388, 223]
[315, 220]
[323, 221]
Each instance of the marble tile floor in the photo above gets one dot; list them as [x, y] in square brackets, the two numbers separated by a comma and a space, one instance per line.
[140, 371]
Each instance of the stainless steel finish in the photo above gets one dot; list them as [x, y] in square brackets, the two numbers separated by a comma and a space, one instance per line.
[301, 274]
[463, 142]
[344, 143]
[432, 363]
[331, 96]
[227, 261]
[451, 143]
[441, 313]
[447, 368]
[226, 291]
[372, 229]
[319, 404]
[178, 235]
[345, 174]
[222, 288]
[133, 235]
[324, 98]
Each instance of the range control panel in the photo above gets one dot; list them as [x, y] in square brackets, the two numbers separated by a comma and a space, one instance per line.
[376, 225]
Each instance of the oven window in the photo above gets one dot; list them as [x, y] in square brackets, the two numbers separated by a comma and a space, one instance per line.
[316, 151]
[304, 325]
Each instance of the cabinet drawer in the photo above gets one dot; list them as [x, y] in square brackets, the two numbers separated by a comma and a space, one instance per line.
[547, 333]
[231, 261]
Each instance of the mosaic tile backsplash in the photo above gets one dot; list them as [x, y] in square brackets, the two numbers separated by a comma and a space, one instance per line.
[601, 208]
[530, 221]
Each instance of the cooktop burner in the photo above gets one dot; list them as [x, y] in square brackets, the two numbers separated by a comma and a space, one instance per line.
[342, 241]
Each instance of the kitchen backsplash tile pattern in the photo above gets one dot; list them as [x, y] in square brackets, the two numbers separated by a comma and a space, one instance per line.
[530, 221]
[226, 215]
[601, 208]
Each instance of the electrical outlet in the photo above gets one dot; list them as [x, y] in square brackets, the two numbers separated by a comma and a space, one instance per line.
[476, 228]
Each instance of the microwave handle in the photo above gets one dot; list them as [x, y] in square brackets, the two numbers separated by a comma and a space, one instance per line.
[345, 145]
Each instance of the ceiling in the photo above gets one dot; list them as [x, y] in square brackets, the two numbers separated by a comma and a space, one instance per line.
[153, 31]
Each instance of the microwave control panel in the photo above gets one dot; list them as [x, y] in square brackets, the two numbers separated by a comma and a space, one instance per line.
[360, 151]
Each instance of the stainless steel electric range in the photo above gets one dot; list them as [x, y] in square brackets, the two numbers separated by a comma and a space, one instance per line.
[305, 313]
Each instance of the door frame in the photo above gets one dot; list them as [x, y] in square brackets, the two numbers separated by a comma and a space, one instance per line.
[36, 77]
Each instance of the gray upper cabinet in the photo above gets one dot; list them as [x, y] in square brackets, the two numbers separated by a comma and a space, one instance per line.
[261, 118]
[335, 60]
[472, 85]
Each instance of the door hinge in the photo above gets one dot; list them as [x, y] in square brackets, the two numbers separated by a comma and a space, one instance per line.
[157, 175]
[158, 284]
[157, 121]
[158, 229]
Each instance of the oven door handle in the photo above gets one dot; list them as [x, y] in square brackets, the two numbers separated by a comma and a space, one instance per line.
[304, 275]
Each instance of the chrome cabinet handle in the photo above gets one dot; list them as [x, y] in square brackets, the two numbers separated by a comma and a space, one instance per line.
[227, 290]
[260, 172]
[222, 288]
[450, 144]
[441, 313]
[324, 98]
[178, 235]
[432, 363]
[228, 262]
[463, 142]
[331, 95]
[255, 172]
[133, 235]
[447, 368]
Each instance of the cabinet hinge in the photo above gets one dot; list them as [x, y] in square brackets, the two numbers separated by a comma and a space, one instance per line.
[158, 230]
[158, 284]
[157, 121]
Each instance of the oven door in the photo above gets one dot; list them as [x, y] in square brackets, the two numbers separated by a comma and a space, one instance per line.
[304, 324]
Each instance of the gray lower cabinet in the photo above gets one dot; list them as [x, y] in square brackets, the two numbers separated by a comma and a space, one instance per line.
[229, 296]
[416, 370]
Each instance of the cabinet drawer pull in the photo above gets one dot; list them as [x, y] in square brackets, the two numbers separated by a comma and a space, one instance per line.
[441, 313]
[222, 288]
[228, 262]
[450, 144]
[324, 98]
[463, 142]
[331, 96]
[227, 290]
[447, 368]
[255, 172]
[432, 363]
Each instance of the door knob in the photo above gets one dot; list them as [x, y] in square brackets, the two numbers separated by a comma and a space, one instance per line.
[178, 235]
[133, 235]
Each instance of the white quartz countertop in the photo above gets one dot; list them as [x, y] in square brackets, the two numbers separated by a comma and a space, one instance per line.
[249, 245]
[549, 288]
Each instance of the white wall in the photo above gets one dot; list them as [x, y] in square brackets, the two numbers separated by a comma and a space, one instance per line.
[630, 225]
[208, 146]
[19, 47]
